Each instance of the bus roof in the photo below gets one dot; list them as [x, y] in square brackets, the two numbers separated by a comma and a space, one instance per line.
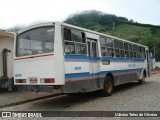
[102, 34]
[76, 27]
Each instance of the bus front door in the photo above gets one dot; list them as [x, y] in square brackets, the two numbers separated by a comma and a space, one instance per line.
[94, 63]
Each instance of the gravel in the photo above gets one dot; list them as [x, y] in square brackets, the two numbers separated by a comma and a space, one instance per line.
[127, 97]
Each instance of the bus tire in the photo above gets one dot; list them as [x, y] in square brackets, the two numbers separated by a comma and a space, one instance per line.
[108, 86]
[141, 81]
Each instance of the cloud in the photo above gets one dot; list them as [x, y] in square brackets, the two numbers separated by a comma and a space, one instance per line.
[15, 12]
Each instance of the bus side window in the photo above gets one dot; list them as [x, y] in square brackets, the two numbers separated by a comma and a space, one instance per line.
[134, 51]
[130, 51]
[126, 50]
[69, 48]
[75, 42]
[77, 36]
[103, 46]
[67, 34]
[81, 49]
[110, 52]
[116, 47]
[94, 50]
[88, 45]
[117, 53]
[104, 51]
[139, 52]
[121, 49]
[106, 46]
[109, 44]
[143, 52]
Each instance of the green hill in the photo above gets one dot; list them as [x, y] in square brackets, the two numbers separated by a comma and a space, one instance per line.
[123, 28]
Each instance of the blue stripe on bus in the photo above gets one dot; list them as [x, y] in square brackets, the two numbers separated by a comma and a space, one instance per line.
[77, 75]
[120, 59]
[100, 58]
[122, 71]
[80, 57]
[74, 75]
[76, 57]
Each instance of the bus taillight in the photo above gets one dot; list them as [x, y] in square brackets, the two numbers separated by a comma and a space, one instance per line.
[20, 80]
[47, 80]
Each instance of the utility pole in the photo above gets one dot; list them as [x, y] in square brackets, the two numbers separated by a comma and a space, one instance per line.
[113, 28]
[154, 47]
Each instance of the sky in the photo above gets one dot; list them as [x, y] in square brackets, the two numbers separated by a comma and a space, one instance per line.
[26, 12]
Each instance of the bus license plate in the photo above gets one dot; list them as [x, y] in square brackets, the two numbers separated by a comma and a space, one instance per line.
[33, 80]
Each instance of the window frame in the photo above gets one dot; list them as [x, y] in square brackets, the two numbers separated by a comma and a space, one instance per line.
[127, 51]
[119, 48]
[84, 41]
[134, 49]
[142, 52]
[107, 49]
[17, 40]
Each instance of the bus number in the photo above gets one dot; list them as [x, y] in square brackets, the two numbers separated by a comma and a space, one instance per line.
[77, 68]
[131, 65]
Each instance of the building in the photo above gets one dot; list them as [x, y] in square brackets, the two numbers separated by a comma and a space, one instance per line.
[6, 58]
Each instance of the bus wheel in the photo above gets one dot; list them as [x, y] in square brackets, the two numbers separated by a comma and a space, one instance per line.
[141, 81]
[108, 87]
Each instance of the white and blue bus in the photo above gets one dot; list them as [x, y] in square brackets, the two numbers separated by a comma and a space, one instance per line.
[72, 59]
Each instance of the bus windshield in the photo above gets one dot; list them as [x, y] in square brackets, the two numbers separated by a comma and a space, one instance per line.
[35, 41]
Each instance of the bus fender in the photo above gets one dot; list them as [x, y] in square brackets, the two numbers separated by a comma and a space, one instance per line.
[111, 75]
[143, 72]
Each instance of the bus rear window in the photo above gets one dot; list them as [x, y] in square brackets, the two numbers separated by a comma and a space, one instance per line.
[35, 41]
